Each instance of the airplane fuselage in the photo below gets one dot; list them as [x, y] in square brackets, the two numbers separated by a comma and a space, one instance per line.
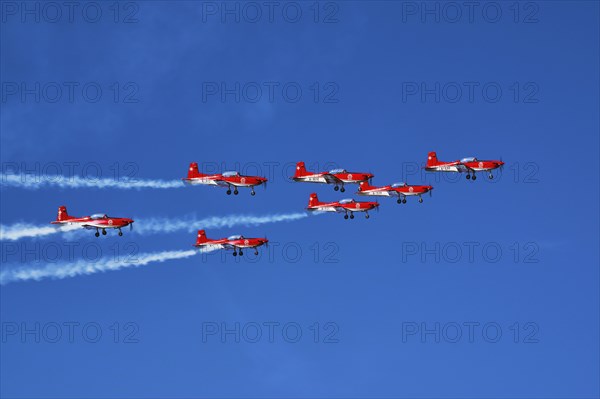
[314, 178]
[89, 223]
[338, 207]
[453, 167]
[390, 191]
[225, 181]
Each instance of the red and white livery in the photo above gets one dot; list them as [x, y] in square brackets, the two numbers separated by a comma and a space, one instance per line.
[348, 206]
[237, 243]
[339, 177]
[468, 165]
[226, 179]
[98, 221]
[400, 190]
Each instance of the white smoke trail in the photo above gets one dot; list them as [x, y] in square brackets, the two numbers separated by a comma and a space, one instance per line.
[25, 230]
[64, 270]
[165, 225]
[149, 226]
[34, 183]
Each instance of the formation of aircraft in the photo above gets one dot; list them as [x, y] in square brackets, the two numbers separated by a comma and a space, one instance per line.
[237, 243]
[226, 179]
[98, 221]
[337, 177]
[400, 190]
[468, 165]
[348, 206]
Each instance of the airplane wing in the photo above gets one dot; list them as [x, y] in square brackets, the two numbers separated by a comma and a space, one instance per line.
[331, 179]
[222, 183]
[391, 193]
[88, 226]
[227, 184]
[463, 168]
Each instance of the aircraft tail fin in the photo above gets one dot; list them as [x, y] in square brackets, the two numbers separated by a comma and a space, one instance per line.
[62, 214]
[432, 159]
[300, 170]
[364, 185]
[193, 171]
[201, 237]
[313, 200]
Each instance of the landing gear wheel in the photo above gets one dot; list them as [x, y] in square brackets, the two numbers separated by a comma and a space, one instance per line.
[236, 192]
[103, 232]
[366, 216]
[228, 192]
[241, 253]
[421, 200]
[399, 200]
[252, 193]
[474, 177]
[404, 200]
[97, 234]
[468, 177]
[345, 216]
[234, 253]
[256, 253]
[342, 189]
[336, 188]
[351, 216]
[491, 176]
[120, 233]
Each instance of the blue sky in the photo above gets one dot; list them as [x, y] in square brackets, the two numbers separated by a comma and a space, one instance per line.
[542, 211]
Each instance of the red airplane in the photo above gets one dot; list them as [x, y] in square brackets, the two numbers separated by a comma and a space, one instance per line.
[339, 177]
[468, 165]
[225, 179]
[237, 243]
[400, 190]
[97, 221]
[346, 205]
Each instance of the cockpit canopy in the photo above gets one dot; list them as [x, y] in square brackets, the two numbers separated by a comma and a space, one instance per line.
[235, 237]
[99, 216]
[347, 201]
[400, 184]
[335, 171]
[231, 173]
[468, 159]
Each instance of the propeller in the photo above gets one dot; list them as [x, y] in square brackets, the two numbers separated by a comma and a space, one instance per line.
[131, 226]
